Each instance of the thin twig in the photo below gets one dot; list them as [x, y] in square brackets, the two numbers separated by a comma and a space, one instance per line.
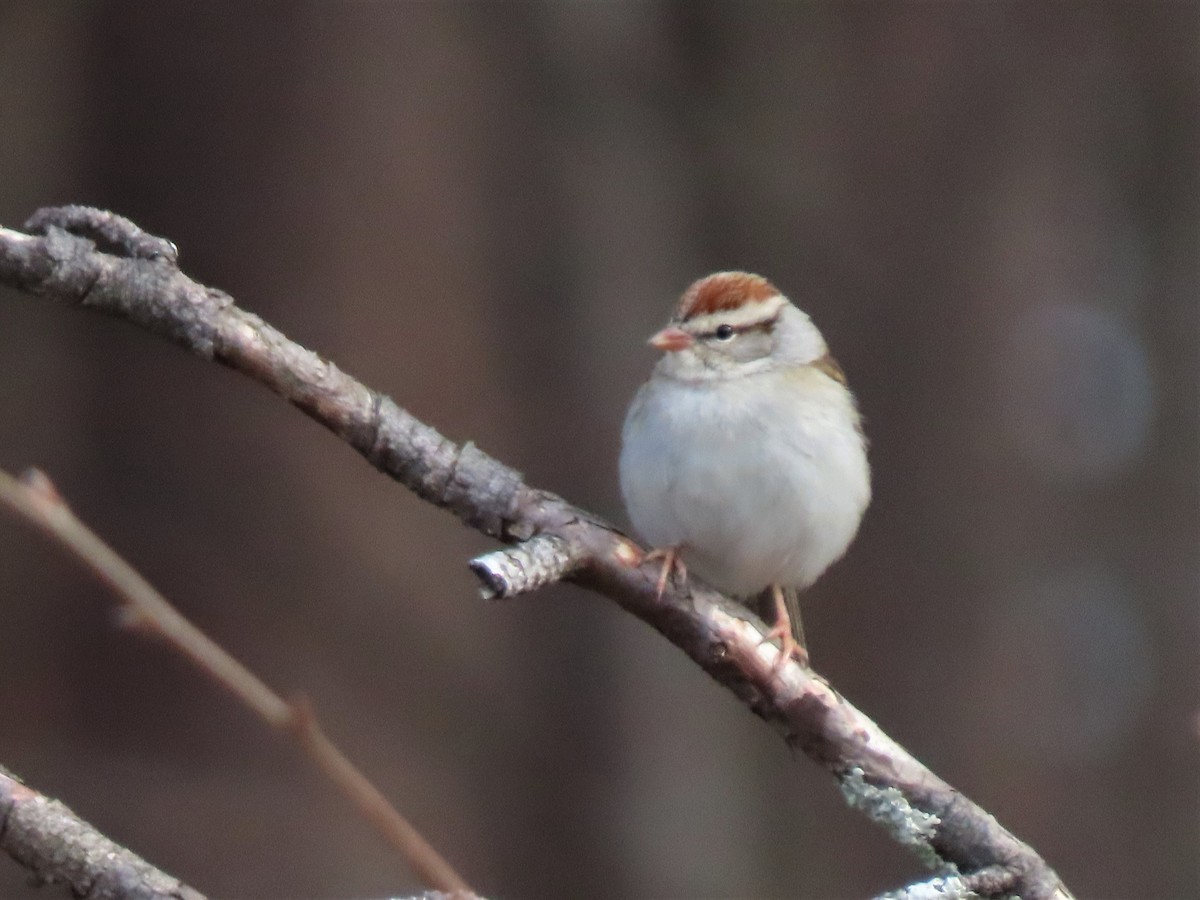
[35, 498]
[722, 637]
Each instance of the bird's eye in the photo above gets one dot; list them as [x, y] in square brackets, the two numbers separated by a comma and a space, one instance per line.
[724, 332]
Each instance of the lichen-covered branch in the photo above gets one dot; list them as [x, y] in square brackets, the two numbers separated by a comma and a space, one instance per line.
[722, 637]
[537, 562]
[58, 847]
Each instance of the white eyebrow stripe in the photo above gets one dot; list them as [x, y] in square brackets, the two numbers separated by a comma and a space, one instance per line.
[757, 312]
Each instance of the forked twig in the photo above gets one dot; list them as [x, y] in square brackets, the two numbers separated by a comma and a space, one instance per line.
[34, 497]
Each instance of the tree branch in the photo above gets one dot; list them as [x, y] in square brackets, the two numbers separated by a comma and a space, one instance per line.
[57, 846]
[877, 775]
[144, 608]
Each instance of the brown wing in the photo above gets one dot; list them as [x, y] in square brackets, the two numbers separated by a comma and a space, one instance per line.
[830, 367]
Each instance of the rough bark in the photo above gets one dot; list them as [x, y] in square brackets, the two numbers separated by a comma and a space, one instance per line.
[58, 847]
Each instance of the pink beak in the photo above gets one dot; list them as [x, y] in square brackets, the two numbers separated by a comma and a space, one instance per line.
[671, 339]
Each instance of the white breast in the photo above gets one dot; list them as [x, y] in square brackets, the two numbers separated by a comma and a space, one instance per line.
[763, 480]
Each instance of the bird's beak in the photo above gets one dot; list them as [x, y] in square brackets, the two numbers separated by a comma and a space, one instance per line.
[671, 339]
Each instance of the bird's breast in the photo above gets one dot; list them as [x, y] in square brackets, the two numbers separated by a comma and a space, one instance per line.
[762, 480]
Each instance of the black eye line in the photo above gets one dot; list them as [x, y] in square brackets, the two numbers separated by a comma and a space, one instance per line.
[765, 326]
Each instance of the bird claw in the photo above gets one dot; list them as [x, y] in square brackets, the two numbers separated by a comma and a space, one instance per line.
[789, 647]
[672, 562]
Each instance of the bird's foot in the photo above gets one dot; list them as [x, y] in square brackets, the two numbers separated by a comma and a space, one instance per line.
[789, 647]
[672, 563]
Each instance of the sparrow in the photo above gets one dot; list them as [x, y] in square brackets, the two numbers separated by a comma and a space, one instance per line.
[743, 458]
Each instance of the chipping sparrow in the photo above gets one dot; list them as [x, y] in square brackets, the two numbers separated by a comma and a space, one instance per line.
[743, 456]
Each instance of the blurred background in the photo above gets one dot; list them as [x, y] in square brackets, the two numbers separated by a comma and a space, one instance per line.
[483, 210]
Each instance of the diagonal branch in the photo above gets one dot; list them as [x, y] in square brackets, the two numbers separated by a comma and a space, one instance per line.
[35, 498]
[876, 774]
[55, 845]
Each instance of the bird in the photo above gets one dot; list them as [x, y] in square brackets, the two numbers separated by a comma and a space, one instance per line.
[743, 458]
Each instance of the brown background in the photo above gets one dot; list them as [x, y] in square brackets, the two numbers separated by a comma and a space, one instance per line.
[991, 211]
